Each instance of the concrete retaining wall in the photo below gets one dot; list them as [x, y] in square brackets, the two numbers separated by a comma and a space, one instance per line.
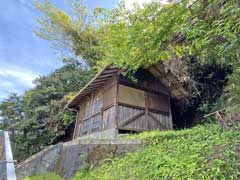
[67, 158]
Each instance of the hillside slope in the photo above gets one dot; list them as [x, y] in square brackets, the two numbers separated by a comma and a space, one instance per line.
[203, 152]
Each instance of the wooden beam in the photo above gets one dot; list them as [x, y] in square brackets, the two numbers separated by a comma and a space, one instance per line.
[130, 106]
[213, 113]
[161, 74]
[146, 109]
[96, 83]
[171, 88]
[105, 75]
[76, 126]
[136, 86]
[131, 119]
[170, 113]
[93, 87]
[92, 106]
[116, 101]
[159, 111]
[132, 129]
[107, 107]
[110, 71]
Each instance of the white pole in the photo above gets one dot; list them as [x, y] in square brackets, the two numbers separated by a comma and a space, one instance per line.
[9, 158]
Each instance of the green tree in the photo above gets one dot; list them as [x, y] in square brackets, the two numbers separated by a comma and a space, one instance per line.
[37, 118]
[11, 112]
[75, 34]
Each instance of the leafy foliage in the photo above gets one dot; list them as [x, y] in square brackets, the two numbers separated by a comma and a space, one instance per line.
[203, 152]
[207, 30]
[75, 34]
[143, 36]
[12, 111]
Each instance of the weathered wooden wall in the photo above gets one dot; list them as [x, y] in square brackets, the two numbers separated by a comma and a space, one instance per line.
[109, 94]
[108, 118]
[109, 104]
[131, 118]
[125, 105]
[158, 102]
[144, 105]
[161, 121]
[131, 96]
[137, 119]
[89, 114]
[97, 110]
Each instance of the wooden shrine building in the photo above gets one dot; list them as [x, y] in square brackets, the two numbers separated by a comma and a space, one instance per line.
[111, 103]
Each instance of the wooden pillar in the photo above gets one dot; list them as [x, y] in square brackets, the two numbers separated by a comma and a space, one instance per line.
[76, 126]
[147, 110]
[170, 113]
[116, 104]
[90, 118]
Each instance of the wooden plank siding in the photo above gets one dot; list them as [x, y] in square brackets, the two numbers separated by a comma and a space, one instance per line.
[140, 109]
[108, 118]
[131, 118]
[159, 121]
[89, 116]
[158, 102]
[131, 96]
[97, 110]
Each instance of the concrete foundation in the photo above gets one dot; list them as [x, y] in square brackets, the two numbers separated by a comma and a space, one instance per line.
[106, 134]
[66, 159]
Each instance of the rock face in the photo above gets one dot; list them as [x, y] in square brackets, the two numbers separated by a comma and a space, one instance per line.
[67, 158]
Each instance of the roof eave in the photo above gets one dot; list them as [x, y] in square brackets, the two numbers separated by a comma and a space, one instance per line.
[96, 82]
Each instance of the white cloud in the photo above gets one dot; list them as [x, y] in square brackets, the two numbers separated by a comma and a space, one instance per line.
[129, 3]
[21, 76]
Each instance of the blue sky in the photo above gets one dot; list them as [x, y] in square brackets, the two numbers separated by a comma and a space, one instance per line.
[23, 56]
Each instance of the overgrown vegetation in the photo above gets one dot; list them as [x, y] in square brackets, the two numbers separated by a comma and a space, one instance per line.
[204, 30]
[203, 152]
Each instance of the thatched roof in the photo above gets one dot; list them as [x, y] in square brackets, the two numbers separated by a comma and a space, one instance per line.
[160, 70]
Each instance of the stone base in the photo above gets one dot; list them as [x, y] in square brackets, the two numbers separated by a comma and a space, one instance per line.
[67, 158]
[106, 134]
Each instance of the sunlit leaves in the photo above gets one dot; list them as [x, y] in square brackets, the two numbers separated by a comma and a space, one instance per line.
[73, 34]
[142, 37]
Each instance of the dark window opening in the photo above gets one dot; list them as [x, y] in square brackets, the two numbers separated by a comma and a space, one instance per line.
[121, 131]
